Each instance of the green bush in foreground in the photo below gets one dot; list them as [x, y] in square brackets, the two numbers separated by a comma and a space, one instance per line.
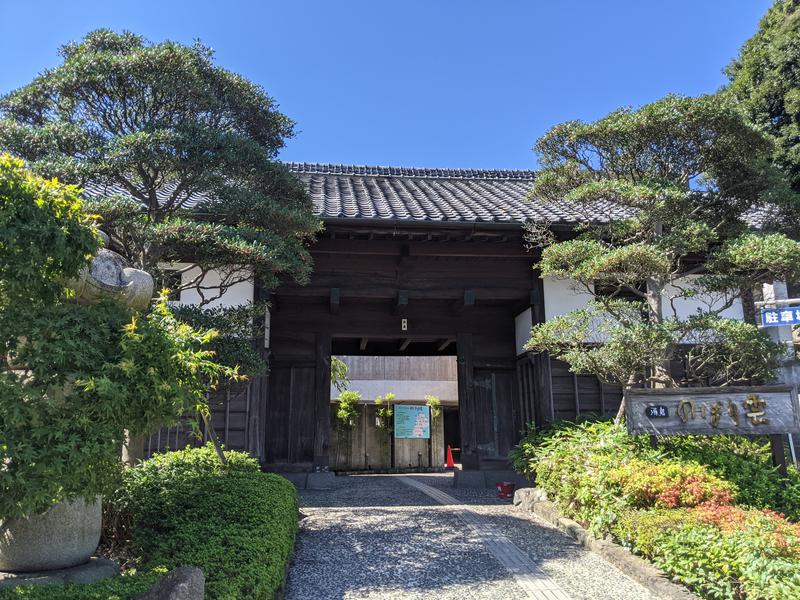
[186, 508]
[697, 507]
[720, 551]
[744, 462]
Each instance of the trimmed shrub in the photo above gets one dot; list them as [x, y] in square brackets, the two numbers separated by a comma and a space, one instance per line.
[746, 463]
[683, 504]
[185, 508]
[668, 484]
[720, 551]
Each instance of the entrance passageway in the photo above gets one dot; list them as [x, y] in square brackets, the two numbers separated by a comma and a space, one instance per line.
[414, 537]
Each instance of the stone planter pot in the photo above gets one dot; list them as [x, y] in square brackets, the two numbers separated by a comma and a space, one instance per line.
[65, 536]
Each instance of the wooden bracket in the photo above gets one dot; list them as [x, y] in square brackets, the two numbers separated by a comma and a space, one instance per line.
[468, 301]
[335, 300]
[444, 344]
[401, 302]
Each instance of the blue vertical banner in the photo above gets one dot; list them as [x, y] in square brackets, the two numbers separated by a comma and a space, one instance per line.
[779, 317]
[412, 421]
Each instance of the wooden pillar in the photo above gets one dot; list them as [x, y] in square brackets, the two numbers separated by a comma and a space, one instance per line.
[322, 401]
[466, 403]
[778, 453]
[544, 410]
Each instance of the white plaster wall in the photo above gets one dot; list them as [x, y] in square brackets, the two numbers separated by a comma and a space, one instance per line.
[404, 390]
[562, 296]
[522, 329]
[685, 307]
[235, 295]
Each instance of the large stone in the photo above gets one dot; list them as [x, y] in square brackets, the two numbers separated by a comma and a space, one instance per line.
[323, 480]
[94, 570]
[183, 583]
[298, 479]
[65, 536]
[109, 277]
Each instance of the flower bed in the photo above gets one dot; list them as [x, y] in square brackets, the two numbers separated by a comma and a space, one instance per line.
[185, 508]
[685, 504]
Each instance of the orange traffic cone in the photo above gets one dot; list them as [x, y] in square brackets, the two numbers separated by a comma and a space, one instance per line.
[450, 464]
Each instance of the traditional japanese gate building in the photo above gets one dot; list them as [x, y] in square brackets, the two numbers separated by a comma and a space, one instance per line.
[414, 262]
[420, 262]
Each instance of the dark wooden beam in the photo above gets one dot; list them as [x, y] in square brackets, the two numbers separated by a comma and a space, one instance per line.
[401, 302]
[467, 301]
[404, 344]
[363, 345]
[335, 300]
[464, 249]
[357, 286]
[445, 343]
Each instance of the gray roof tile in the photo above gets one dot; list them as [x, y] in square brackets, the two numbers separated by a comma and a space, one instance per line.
[444, 195]
[415, 194]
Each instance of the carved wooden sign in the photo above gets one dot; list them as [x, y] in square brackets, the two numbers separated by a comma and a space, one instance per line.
[753, 410]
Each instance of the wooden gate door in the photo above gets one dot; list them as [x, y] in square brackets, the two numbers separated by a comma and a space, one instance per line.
[297, 429]
[494, 397]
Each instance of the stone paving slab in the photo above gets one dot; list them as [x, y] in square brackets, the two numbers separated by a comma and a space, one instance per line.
[374, 537]
[529, 577]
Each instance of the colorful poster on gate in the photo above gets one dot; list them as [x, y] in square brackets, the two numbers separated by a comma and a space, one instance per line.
[412, 422]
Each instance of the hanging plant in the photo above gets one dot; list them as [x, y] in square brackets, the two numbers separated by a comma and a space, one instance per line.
[347, 411]
[384, 412]
[435, 406]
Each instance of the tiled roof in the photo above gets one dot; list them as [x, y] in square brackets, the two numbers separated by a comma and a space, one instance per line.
[413, 194]
[96, 189]
[439, 195]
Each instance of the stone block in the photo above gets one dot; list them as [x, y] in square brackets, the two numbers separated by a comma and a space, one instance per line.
[94, 570]
[298, 479]
[64, 536]
[324, 480]
[183, 583]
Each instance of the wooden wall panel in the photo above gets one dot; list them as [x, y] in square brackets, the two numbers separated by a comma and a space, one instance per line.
[278, 412]
[580, 395]
[300, 443]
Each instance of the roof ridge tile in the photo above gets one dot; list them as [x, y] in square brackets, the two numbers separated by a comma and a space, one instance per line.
[416, 172]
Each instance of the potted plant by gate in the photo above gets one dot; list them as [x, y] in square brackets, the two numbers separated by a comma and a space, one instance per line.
[74, 377]
[384, 412]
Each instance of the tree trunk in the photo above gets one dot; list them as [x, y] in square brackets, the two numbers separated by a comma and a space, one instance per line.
[132, 449]
[213, 437]
[621, 412]
[655, 313]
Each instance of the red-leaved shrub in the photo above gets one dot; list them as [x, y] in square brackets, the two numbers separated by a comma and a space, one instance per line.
[669, 484]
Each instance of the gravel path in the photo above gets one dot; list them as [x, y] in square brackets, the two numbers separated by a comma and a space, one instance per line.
[374, 537]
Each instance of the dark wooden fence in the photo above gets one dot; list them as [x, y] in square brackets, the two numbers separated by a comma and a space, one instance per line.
[550, 392]
[235, 418]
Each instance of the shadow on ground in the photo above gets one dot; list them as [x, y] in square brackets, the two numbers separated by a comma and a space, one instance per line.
[374, 537]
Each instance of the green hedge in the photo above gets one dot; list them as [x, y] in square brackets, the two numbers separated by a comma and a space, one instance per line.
[184, 508]
[705, 510]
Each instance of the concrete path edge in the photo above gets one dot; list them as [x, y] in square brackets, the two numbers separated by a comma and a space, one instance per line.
[635, 567]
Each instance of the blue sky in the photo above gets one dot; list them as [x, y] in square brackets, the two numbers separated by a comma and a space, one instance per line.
[420, 83]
